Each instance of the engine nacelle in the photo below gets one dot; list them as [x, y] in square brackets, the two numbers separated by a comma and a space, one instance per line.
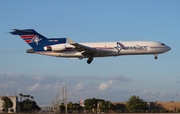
[48, 48]
[55, 48]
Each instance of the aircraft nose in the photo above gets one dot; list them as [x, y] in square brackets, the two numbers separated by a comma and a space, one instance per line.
[168, 48]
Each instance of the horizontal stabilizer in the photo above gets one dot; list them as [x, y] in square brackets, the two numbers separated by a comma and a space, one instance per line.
[25, 32]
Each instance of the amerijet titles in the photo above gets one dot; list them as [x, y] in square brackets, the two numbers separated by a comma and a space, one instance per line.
[136, 48]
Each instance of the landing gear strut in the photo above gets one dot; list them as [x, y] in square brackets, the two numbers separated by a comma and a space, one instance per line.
[90, 59]
[155, 56]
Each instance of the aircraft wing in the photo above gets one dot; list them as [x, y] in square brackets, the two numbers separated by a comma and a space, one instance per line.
[86, 50]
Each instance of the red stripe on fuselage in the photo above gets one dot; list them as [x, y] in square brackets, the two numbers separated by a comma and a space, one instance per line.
[28, 36]
[103, 47]
[27, 41]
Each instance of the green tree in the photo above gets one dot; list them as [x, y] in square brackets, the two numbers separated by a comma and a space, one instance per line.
[11, 110]
[136, 104]
[62, 108]
[28, 96]
[90, 104]
[76, 107]
[7, 103]
[104, 105]
[28, 106]
[32, 97]
[95, 105]
[70, 106]
[21, 95]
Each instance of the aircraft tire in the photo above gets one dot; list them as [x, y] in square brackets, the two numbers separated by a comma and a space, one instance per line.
[155, 57]
[90, 60]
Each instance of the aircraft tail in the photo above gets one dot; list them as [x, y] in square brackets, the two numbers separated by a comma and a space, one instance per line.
[36, 40]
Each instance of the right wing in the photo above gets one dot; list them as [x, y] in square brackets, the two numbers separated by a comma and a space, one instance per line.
[86, 50]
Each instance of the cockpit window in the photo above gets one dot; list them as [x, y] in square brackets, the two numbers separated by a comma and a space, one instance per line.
[163, 44]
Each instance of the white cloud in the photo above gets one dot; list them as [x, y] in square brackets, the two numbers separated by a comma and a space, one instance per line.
[56, 86]
[149, 91]
[19, 90]
[34, 87]
[162, 94]
[40, 77]
[104, 85]
[121, 78]
[79, 86]
[48, 87]
[153, 92]
[145, 91]
[12, 83]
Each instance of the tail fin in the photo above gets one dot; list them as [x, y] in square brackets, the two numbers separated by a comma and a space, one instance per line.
[36, 40]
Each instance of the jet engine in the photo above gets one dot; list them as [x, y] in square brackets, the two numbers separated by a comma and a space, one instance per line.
[55, 48]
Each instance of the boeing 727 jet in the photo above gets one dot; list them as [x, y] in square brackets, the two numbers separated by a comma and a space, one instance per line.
[65, 47]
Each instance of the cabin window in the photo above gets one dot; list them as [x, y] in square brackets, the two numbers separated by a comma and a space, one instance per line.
[163, 44]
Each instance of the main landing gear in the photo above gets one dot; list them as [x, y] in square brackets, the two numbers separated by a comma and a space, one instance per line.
[90, 59]
[155, 56]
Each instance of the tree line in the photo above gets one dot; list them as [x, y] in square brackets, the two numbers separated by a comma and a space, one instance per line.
[94, 105]
[99, 105]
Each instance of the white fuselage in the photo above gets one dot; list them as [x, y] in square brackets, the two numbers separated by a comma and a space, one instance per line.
[114, 48]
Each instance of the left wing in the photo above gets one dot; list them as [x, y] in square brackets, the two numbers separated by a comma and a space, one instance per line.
[86, 50]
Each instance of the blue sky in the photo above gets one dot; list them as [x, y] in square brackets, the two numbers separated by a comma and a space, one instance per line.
[114, 79]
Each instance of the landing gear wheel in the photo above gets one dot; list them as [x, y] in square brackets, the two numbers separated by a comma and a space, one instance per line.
[90, 59]
[155, 57]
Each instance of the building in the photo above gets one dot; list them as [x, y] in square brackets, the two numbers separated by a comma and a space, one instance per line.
[154, 106]
[14, 99]
[171, 106]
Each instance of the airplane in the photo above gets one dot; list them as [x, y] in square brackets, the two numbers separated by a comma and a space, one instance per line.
[65, 47]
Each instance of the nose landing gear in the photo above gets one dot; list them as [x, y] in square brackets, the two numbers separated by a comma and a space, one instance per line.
[155, 56]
